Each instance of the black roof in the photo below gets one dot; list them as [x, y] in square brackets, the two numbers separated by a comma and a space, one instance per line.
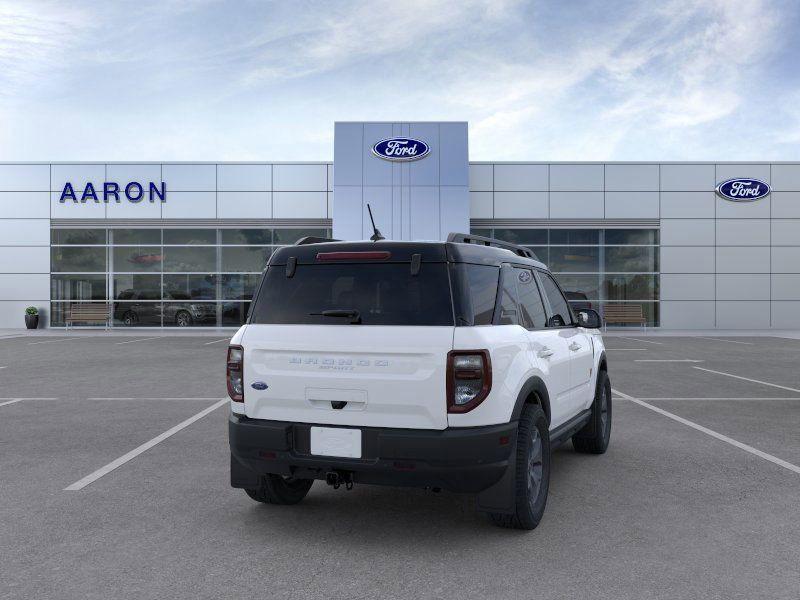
[402, 251]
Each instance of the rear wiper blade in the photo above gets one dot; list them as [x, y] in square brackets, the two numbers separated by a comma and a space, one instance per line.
[352, 314]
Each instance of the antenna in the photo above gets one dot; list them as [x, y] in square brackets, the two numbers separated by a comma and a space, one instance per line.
[375, 237]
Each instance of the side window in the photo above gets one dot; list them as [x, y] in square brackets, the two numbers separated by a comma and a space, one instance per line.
[508, 297]
[482, 281]
[530, 301]
[561, 315]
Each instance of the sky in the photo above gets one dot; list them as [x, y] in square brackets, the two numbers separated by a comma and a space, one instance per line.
[538, 81]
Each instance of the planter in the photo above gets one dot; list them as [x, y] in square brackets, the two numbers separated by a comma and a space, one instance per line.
[31, 321]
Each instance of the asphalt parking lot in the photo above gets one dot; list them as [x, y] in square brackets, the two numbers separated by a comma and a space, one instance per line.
[697, 497]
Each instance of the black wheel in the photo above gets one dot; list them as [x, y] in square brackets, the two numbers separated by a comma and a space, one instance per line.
[275, 489]
[183, 319]
[594, 437]
[129, 319]
[532, 479]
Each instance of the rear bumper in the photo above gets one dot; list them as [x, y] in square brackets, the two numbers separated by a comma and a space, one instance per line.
[459, 460]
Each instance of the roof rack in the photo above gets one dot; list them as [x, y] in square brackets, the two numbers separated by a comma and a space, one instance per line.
[468, 238]
[311, 239]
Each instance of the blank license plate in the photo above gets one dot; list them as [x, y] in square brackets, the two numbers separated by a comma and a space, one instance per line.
[336, 441]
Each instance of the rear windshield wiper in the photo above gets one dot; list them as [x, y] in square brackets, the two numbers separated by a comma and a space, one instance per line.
[352, 314]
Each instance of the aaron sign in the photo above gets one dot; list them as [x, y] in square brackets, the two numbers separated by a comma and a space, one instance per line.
[132, 192]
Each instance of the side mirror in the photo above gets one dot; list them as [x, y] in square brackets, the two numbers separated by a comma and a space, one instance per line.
[590, 319]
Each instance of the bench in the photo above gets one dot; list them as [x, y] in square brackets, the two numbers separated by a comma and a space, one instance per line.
[624, 314]
[87, 312]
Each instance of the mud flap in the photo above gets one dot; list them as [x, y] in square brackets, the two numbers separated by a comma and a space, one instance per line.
[501, 497]
[243, 477]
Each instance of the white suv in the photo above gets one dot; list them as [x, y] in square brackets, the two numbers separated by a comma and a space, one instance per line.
[453, 365]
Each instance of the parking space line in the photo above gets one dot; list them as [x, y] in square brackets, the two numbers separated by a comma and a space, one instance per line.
[775, 385]
[680, 360]
[4, 367]
[92, 477]
[712, 433]
[640, 340]
[628, 349]
[154, 398]
[139, 340]
[217, 341]
[11, 402]
[699, 337]
[728, 399]
[66, 339]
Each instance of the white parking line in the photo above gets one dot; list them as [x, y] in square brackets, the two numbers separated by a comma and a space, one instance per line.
[775, 385]
[218, 341]
[11, 402]
[681, 360]
[627, 349]
[4, 367]
[722, 340]
[92, 477]
[640, 340]
[174, 398]
[712, 433]
[727, 399]
[67, 339]
[139, 340]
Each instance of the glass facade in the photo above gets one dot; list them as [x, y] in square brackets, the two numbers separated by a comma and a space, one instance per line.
[164, 277]
[597, 267]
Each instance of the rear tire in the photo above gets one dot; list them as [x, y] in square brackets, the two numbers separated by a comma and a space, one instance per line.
[532, 479]
[275, 489]
[595, 436]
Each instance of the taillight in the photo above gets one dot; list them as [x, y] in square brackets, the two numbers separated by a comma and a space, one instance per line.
[469, 379]
[235, 373]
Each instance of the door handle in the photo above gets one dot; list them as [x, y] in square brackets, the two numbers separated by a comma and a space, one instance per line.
[574, 346]
[545, 352]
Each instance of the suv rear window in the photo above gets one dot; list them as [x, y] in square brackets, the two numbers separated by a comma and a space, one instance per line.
[382, 293]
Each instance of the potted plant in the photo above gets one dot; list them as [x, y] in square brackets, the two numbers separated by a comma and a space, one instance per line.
[31, 317]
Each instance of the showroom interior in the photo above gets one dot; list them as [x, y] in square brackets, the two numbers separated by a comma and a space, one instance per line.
[653, 235]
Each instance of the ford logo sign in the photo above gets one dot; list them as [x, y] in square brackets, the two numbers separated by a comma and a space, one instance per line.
[259, 385]
[743, 190]
[401, 149]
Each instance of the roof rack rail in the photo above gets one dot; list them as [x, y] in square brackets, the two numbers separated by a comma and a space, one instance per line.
[312, 239]
[468, 238]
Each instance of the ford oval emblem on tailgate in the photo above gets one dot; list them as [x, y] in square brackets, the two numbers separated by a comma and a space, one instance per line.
[259, 385]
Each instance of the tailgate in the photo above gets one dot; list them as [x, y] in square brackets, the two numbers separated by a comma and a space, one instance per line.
[370, 376]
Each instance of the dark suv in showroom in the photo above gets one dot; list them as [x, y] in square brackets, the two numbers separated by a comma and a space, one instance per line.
[143, 308]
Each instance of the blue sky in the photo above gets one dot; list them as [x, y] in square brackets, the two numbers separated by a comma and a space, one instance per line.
[568, 80]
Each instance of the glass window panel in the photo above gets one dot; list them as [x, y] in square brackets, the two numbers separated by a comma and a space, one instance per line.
[290, 236]
[481, 232]
[530, 300]
[190, 287]
[579, 287]
[136, 236]
[542, 253]
[574, 259]
[650, 310]
[631, 259]
[190, 236]
[247, 237]
[78, 287]
[234, 313]
[481, 283]
[58, 311]
[190, 314]
[573, 237]
[138, 314]
[133, 287]
[83, 237]
[137, 258]
[239, 287]
[190, 260]
[522, 236]
[561, 314]
[630, 287]
[619, 237]
[509, 315]
[78, 259]
[245, 259]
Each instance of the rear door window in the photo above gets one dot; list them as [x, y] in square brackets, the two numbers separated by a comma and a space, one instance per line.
[382, 294]
[530, 300]
[560, 314]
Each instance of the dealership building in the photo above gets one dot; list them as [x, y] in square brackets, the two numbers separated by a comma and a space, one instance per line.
[688, 245]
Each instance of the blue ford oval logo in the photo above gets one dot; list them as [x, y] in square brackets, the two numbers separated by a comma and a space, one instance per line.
[743, 190]
[401, 149]
[259, 385]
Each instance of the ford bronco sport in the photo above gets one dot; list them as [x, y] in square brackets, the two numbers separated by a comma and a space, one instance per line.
[453, 365]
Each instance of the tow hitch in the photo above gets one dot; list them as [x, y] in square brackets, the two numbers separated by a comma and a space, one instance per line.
[337, 478]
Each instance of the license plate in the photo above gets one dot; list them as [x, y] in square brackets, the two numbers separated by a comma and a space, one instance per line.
[336, 441]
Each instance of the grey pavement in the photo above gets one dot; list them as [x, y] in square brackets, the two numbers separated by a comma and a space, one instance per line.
[667, 512]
